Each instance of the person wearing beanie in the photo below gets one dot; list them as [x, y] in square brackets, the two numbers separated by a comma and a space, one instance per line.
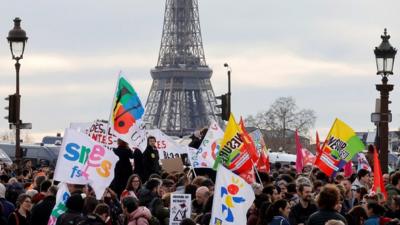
[74, 206]
[8, 207]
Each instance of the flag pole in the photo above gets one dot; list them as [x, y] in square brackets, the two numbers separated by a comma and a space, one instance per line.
[258, 175]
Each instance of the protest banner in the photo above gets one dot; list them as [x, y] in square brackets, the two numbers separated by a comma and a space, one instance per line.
[233, 196]
[180, 208]
[205, 155]
[84, 161]
[59, 208]
[99, 131]
[166, 146]
[126, 115]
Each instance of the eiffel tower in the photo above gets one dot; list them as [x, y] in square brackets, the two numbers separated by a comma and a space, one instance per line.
[181, 98]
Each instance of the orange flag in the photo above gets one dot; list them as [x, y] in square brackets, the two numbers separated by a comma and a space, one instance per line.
[378, 186]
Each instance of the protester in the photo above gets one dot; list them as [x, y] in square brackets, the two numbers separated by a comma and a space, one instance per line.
[123, 168]
[133, 186]
[138, 167]
[202, 194]
[135, 214]
[21, 216]
[74, 211]
[356, 216]
[363, 180]
[151, 158]
[302, 210]
[327, 200]
[374, 212]
[6, 206]
[278, 213]
[42, 210]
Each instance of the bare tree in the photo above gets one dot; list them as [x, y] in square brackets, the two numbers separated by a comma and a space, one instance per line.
[282, 116]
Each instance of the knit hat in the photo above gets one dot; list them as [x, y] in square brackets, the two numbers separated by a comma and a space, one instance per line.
[2, 191]
[75, 202]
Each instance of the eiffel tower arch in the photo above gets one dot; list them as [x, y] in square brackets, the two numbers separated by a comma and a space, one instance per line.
[181, 98]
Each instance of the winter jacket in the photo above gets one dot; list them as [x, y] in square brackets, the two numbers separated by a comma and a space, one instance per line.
[279, 220]
[140, 216]
[298, 214]
[40, 213]
[8, 207]
[372, 220]
[323, 215]
[151, 162]
[16, 218]
[123, 169]
[70, 217]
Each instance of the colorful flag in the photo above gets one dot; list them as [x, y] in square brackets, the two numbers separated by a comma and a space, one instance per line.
[317, 145]
[362, 162]
[232, 198]
[339, 148]
[81, 160]
[248, 142]
[299, 154]
[233, 153]
[263, 161]
[205, 156]
[378, 186]
[61, 199]
[126, 113]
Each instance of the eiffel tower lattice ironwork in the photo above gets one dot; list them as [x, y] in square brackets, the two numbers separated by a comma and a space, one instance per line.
[181, 98]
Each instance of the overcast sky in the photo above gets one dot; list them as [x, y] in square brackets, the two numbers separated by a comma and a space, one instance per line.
[319, 52]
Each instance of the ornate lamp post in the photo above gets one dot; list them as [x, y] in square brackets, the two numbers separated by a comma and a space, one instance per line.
[384, 55]
[17, 39]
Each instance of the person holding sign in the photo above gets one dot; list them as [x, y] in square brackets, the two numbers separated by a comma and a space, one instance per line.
[151, 158]
[123, 168]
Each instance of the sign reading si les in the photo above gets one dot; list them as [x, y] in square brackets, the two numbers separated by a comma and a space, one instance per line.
[87, 157]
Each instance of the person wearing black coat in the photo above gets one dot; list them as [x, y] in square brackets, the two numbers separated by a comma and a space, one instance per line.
[138, 163]
[123, 168]
[40, 213]
[151, 159]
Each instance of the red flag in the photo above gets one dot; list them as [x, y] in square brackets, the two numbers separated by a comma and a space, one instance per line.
[348, 169]
[248, 142]
[263, 163]
[317, 145]
[308, 157]
[249, 176]
[299, 153]
[326, 163]
[378, 179]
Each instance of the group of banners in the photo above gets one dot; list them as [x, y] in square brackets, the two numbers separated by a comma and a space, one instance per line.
[86, 155]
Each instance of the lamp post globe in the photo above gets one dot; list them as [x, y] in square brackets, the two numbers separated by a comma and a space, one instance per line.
[17, 39]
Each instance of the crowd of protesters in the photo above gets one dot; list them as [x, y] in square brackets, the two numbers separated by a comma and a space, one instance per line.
[141, 191]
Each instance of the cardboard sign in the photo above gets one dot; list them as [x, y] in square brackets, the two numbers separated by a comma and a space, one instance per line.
[181, 208]
[172, 165]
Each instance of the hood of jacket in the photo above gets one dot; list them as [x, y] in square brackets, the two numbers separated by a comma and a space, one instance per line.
[141, 211]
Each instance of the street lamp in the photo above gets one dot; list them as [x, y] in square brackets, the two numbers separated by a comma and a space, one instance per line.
[384, 55]
[17, 39]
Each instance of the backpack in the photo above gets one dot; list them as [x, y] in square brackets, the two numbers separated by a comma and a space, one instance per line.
[69, 219]
[90, 220]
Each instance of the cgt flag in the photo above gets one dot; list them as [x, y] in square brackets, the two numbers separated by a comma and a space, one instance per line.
[232, 198]
[339, 148]
[126, 113]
